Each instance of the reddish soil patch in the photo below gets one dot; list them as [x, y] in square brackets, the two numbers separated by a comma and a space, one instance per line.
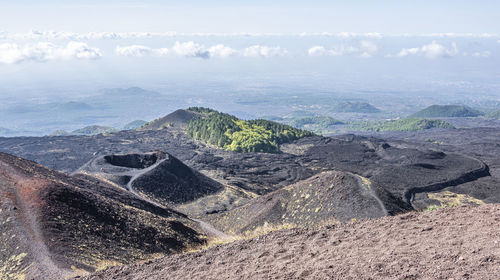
[453, 243]
[52, 223]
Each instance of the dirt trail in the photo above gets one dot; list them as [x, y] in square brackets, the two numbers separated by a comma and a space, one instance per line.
[43, 263]
[211, 231]
[482, 171]
[367, 185]
[136, 175]
[208, 229]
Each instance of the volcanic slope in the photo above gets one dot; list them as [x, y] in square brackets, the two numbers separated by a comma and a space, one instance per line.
[54, 225]
[156, 175]
[325, 198]
[451, 243]
[419, 168]
[179, 118]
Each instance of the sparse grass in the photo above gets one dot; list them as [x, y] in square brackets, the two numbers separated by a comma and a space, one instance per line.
[437, 207]
[267, 228]
[166, 125]
[105, 264]
[366, 181]
[14, 268]
[214, 242]
[249, 234]
[450, 199]
[433, 141]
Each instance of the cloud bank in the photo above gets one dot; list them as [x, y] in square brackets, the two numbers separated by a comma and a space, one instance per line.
[195, 50]
[190, 49]
[50, 34]
[432, 50]
[12, 53]
[363, 49]
[263, 51]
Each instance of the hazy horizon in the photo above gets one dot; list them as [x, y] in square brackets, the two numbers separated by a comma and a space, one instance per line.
[221, 51]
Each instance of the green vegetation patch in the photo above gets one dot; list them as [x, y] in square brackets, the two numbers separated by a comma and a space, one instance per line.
[202, 110]
[409, 124]
[300, 114]
[321, 121]
[230, 133]
[447, 111]
[494, 115]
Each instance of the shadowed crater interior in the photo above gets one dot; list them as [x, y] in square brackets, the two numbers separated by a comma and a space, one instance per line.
[139, 161]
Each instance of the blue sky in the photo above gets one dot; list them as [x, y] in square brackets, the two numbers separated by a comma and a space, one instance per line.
[388, 16]
[397, 43]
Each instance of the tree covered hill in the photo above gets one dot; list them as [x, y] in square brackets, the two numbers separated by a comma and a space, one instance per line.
[494, 115]
[409, 124]
[446, 111]
[230, 133]
[321, 121]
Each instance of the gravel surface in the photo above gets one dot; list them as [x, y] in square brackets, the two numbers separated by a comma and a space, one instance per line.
[452, 243]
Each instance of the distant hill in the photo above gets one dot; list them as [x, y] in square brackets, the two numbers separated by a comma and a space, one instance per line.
[179, 118]
[355, 107]
[131, 92]
[93, 130]
[446, 111]
[321, 121]
[53, 107]
[5, 131]
[300, 114]
[230, 133]
[134, 124]
[322, 199]
[494, 115]
[60, 132]
[317, 124]
[72, 105]
[408, 124]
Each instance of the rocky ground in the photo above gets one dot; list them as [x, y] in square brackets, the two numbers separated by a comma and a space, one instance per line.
[399, 167]
[54, 225]
[126, 196]
[453, 243]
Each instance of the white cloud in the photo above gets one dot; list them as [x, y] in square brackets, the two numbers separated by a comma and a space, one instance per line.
[435, 50]
[190, 49]
[79, 50]
[133, 50]
[317, 51]
[10, 53]
[410, 51]
[44, 51]
[365, 49]
[221, 51]
[263, 51]
[460, 35]
[187, 49]
[368, 48]
[482, 54]
[432, 50]
[140, 51]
